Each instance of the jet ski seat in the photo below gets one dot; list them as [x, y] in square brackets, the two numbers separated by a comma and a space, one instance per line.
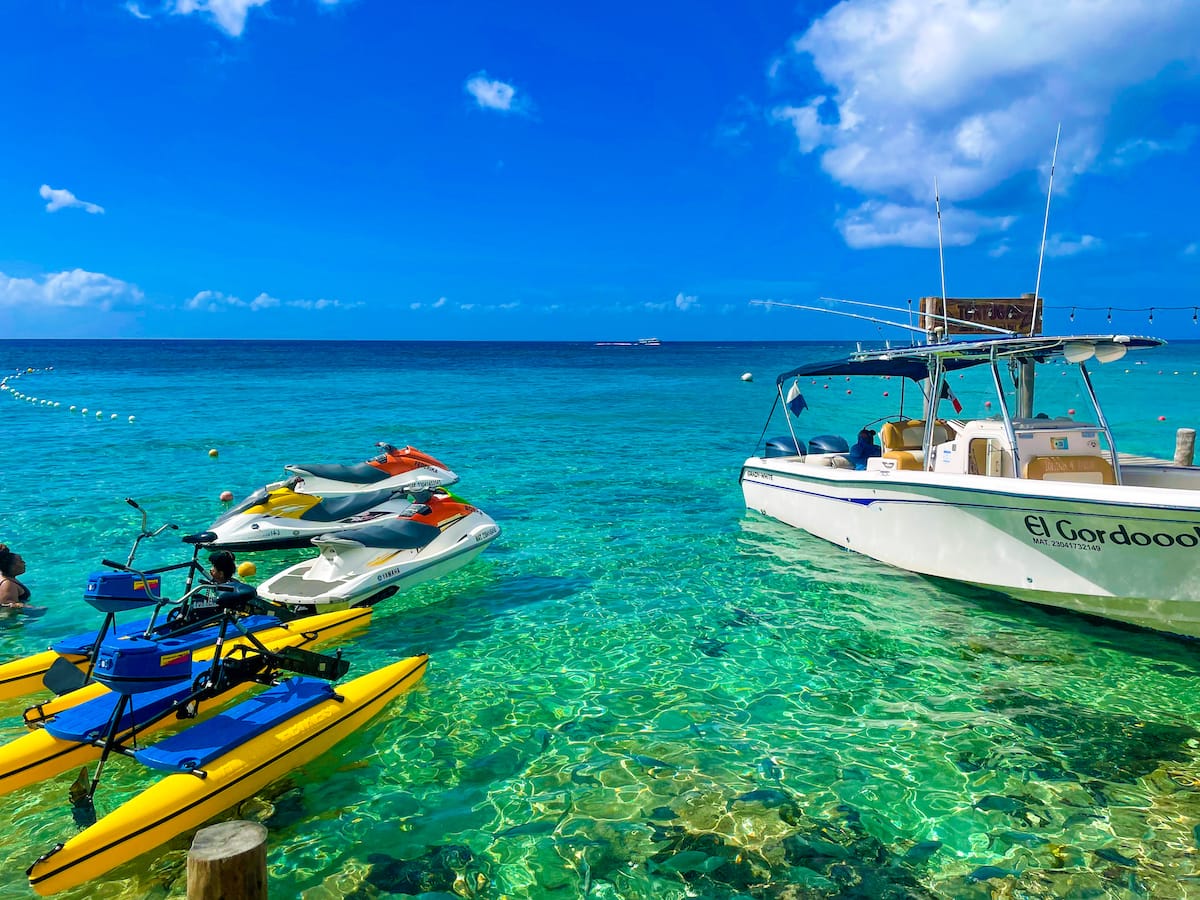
[358, 473]
[333, 509]
[391, 534]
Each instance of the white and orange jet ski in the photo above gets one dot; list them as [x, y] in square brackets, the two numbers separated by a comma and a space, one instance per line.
[406, 468]
[437, 534]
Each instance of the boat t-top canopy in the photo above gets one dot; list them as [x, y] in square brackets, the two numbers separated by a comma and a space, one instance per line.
[918, 362]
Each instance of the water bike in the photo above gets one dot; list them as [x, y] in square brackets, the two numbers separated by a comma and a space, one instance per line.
[396, 469]
[63, 730]
[213, 764]
[66, 666]
[435, 534]
[279, 516]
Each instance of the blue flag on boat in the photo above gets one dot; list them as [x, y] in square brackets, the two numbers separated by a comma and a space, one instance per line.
[795, 400]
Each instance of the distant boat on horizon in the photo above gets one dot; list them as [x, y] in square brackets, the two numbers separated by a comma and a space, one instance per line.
[640, 342]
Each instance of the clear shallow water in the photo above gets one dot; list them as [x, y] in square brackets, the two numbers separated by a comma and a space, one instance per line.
[640, 690]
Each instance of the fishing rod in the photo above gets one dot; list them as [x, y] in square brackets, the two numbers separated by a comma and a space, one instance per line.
[834, 312]
[1045, 223]
[937, 205]
[981, 325]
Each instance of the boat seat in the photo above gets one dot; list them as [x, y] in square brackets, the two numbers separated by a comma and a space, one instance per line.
[1079, 468]
[829, 460]
[910, 435]
[907, 459]
[903, 442]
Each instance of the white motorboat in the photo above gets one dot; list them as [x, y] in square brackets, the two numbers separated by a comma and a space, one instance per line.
[404, 468]
[1042, 509]
[435, 535]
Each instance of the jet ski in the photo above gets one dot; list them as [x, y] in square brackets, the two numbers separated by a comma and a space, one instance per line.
[277, 516]
[437, 534]
[397, 469]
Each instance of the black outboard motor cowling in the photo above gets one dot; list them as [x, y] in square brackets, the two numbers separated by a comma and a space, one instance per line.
[828, 443]
[783, 446]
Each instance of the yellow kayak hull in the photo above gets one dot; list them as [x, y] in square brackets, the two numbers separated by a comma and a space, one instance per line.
[181, 802]
[24, 676]
[40, 755]
[40, 712]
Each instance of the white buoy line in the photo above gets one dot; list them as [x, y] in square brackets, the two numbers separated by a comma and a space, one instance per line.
[16, 394]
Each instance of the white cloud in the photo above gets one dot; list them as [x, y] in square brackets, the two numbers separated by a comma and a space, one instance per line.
[213, 301]
[684, 302]
[1139, 150]
[436, 304]
[1191, 249]
[1058, 245]
[806, 123]
[73, 289]
[136, 11]
[493, 94]
[971, 93]
[216, 301]
[61, 198]
[878, 224]
[229, 15]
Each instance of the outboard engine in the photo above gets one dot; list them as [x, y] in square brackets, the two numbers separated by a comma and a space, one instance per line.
[117, 591]
[783, 446]
[828, 443]
[135, 664]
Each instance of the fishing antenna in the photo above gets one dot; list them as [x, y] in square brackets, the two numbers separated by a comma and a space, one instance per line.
[937, 205]
[1041, 253]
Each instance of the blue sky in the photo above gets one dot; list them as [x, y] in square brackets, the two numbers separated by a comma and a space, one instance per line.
[371, 169]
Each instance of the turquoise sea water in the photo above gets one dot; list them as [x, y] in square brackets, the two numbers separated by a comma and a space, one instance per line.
[640, 690]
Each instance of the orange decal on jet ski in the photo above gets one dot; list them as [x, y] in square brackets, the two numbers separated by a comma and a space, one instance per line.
[396, 461]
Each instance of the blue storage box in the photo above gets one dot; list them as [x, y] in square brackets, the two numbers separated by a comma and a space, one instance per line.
[117, 591]
[134, 664]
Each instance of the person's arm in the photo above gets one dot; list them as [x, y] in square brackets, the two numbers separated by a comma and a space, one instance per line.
[8, 593]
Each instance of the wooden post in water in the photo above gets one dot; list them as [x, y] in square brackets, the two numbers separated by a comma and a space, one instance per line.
[228, 860]
[1185, 446]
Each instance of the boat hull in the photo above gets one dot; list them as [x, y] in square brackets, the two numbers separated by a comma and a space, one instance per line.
[184, 801]
[40, 754]
[1125, 553]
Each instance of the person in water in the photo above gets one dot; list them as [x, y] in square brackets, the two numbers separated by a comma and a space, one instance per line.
[865, 448]
[13, 594]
